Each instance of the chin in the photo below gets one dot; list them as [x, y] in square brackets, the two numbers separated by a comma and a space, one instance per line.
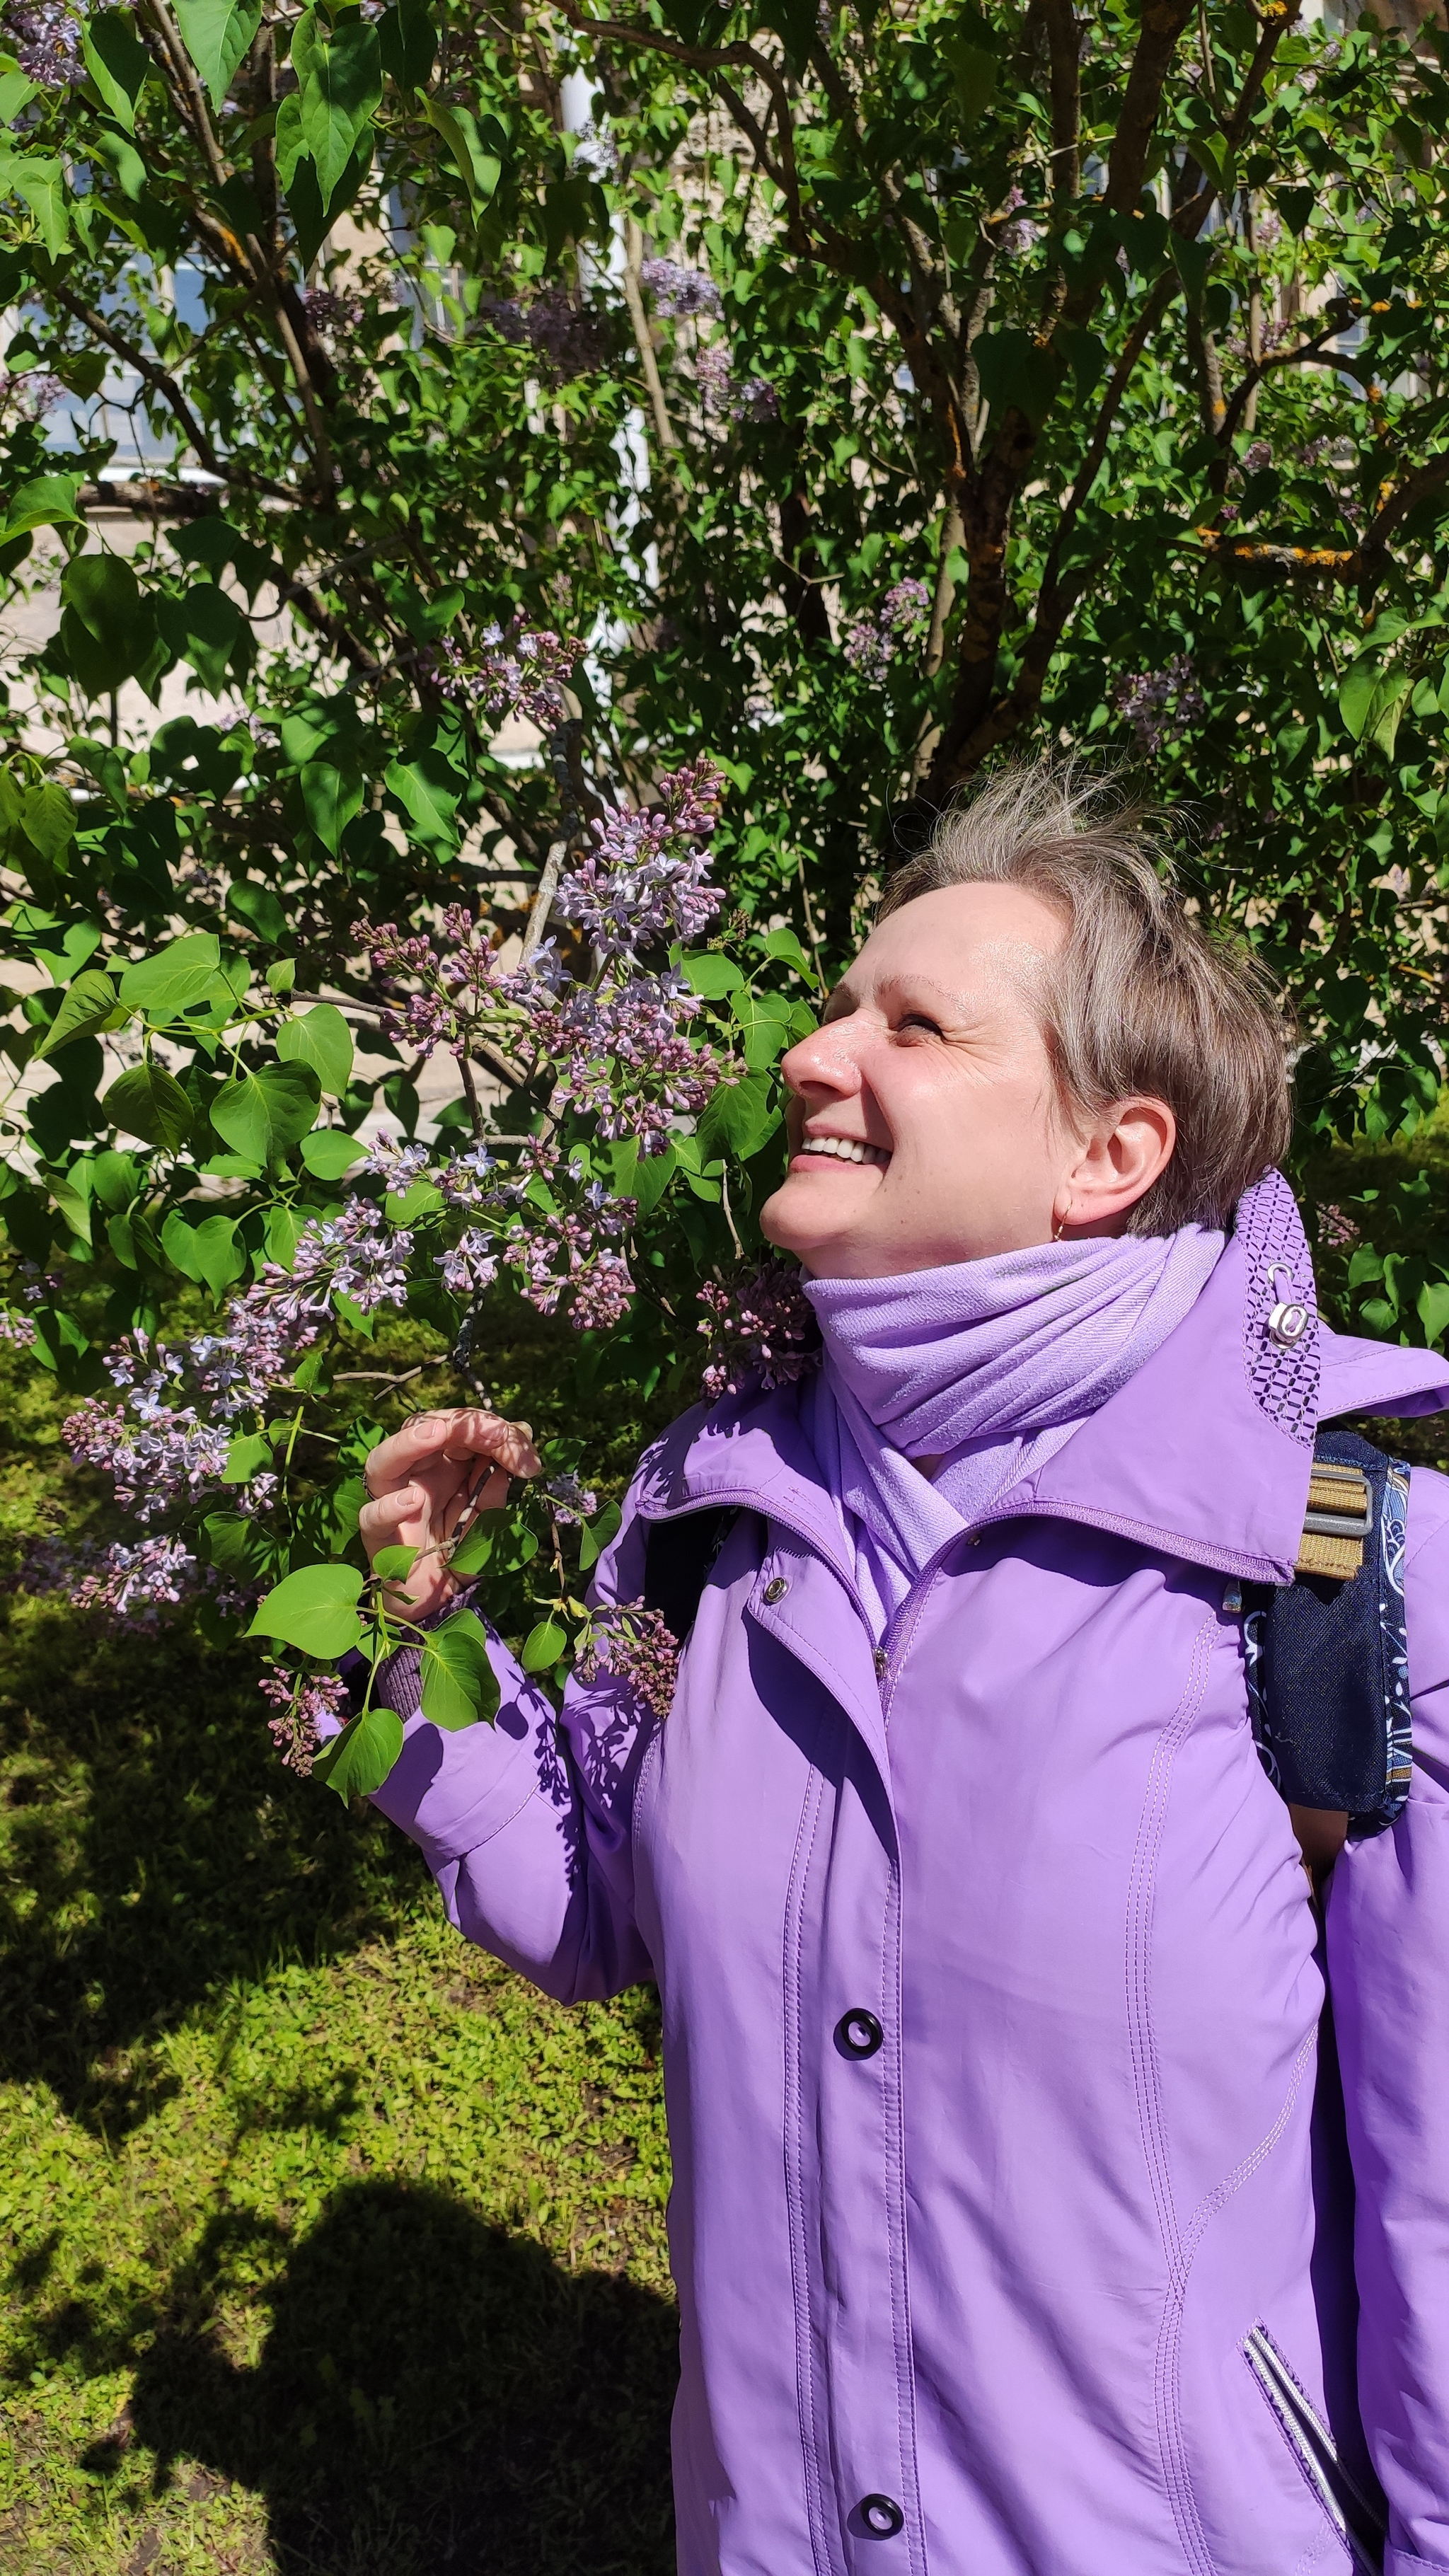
[794, 1221]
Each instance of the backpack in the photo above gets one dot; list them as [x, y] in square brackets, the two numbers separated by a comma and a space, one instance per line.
[1327, 1655]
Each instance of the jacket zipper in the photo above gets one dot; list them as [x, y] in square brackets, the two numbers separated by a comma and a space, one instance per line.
[1358, 2524]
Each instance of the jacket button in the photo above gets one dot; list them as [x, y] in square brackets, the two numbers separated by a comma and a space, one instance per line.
[859, 2034]
[881, 2516]
[776, 1588]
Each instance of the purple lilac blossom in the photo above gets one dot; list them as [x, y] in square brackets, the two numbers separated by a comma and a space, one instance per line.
[638, 1648]
[680, 292]
[761, 1323]
[571, 339]
[1155, 703]
[639, 884]
[45, 38]
[298, 1701]
[870, 642]
[572, 1502]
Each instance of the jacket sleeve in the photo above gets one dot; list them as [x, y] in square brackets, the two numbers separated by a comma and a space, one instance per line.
[526, 1824]
[1388, 1958]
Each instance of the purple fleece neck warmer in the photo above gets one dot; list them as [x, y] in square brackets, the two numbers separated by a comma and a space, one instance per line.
[987, 1365]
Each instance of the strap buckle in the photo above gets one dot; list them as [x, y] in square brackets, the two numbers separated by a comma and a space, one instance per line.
[1338, 1521]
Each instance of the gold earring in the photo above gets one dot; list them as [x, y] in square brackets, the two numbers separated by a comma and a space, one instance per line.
[1058, 1224]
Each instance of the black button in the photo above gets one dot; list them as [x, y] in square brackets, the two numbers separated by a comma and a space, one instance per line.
[859, 2034]
[881, 2516]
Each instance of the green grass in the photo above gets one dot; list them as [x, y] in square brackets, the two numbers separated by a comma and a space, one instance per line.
[329, 2248]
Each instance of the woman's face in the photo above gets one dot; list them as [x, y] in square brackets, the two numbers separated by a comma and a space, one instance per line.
[923, 1124]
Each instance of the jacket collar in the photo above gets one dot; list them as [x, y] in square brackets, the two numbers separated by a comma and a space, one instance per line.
[1204, 1454]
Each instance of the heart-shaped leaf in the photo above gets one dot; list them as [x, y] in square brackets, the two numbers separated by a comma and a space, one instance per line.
[249, 1453]
[314, 1609]
[165, 985]
[209, 1252]
[216, 34]
[88, 1005]
[543, 1646]
[329, 1152]
[459, 1684]
[321, 1038]
[149, 1102]
[359, 1759]
[261, 1114]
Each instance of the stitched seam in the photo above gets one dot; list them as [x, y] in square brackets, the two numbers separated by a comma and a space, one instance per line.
[793, 1965]
[1147, 2084]
[1222, 1560]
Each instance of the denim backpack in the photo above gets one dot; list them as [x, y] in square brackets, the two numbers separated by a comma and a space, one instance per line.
[1327, 1656]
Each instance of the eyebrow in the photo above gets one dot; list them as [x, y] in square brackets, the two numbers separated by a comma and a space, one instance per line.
[892, 984]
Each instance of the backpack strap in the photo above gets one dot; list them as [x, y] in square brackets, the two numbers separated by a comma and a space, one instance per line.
[1327, 1655]
[678, 1559]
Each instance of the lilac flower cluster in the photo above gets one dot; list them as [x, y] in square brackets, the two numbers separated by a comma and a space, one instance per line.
[680, 292]
[164, 1455]
[129, 1585]
[870, 643]
[640, 883]
[637, 1027]
[45, 38]
[721, 398]
[522, 671]
[299, 1702]
[760, 1324]
[16, 1329]
[1155, 703]
[571, 1501]
[329, 312]
[31, 394]
[570, 1250]
[638, 1648]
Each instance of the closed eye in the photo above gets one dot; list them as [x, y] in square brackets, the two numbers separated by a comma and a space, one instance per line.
[918, 1020]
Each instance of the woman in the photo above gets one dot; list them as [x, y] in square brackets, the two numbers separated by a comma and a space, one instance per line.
[991, 1985]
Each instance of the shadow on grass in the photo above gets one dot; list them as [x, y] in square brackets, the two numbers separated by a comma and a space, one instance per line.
[433, 2395]
[154, 1850]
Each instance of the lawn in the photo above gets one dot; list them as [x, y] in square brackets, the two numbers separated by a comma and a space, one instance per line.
[329, 2247]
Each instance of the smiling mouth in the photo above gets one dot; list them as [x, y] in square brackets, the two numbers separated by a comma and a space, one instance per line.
[844, 1149]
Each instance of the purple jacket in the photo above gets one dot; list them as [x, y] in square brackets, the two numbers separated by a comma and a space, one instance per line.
[991, 1996]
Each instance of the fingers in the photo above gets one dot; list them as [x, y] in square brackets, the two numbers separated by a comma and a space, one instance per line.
[429, 1438]
[379, 1522]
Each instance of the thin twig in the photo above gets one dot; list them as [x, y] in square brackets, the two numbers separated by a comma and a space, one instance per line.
[542, 904]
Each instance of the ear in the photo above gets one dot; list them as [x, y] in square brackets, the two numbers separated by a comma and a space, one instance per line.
[1117, 1162]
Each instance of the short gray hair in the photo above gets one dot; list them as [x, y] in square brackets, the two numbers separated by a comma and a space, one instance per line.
[1142, 998]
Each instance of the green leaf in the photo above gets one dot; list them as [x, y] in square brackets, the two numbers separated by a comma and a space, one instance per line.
[359, 1759]
[261, 1114]
[40, 181]
[216, 34]
[46, 501]
[428, 791]
[329, 800]
[595, 1537]
[203, 628]
[764, 1020]
[208, 1252]
[149, 1102]
[479, 169]
[117, 62]
[408, 42]
[395, 1564]
[88, 1005]
[739, 1118]
[249, 1455]
[1434, 1309]
[543, 1646]
[459, 1685]
[106, 627]
[339, 78]
[472, 1553]
[322, 1039]
[167, 984]
[315, 1610]
[258, 907]
[711, 975]
[328, 1152]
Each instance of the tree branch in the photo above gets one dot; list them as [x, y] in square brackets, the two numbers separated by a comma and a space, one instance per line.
[644, 338]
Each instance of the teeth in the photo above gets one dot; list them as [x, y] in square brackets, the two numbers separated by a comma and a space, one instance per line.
[845, 1149]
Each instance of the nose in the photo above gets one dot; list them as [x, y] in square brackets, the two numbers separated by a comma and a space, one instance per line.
[824, 1062]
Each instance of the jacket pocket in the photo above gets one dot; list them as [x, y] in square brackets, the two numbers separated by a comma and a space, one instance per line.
[1357, 2520]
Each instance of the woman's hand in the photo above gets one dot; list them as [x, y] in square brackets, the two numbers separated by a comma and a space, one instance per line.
[439, 1469]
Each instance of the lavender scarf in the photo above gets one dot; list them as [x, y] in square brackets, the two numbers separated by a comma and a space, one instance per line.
[986, 1365]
